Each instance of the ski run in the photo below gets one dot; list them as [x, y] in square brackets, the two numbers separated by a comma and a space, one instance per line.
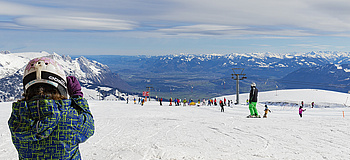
[134, 132]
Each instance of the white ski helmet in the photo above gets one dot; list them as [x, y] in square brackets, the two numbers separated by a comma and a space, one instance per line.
[45, 70]
[253, 84]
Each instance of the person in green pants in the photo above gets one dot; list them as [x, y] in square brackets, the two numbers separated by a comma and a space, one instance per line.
[253, 99]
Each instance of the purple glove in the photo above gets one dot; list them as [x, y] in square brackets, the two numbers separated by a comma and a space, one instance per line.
[73, 86]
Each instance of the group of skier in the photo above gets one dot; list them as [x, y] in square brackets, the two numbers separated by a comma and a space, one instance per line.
[252, 102]
[253, 99]
[191, 102]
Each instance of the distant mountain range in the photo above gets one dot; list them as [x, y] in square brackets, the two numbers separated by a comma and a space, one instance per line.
[186, 75]
[334, 77]
[209, 75]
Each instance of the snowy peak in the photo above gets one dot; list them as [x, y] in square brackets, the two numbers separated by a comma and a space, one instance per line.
[84, 69]
[88, 72]
[11, 62]
[187, 62]
[5, 52]
[260, 60]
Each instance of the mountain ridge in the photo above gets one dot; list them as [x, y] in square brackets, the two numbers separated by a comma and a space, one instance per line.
[209, 75]
[186, 75]
[89, 73]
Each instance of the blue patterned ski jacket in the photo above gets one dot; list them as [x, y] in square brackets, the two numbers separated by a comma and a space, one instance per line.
[50, 129]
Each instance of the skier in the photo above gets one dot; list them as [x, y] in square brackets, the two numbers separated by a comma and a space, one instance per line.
[253, 99]
[266, 111]
[209, 102]
[221, 105]
[184, 102]
[45, 124]
[301, 110]
[215, 104]
[160, 101]
[170, 102]
[224, 101]
[142, 101]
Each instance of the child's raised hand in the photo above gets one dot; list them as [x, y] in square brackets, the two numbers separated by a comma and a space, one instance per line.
[73, 86]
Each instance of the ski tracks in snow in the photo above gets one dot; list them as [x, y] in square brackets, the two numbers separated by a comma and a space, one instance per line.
[173, 133]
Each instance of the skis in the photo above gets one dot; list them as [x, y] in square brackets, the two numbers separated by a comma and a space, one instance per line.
[250, 116]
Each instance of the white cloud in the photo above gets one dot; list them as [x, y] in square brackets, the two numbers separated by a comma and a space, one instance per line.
[75, 23]
[306, 18]
[231, 31]
[32, 17]
[312, 46]
[222, 18]
[14, 9]
[199, 30]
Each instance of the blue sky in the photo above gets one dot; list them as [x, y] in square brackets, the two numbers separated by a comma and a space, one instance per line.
[159, 27]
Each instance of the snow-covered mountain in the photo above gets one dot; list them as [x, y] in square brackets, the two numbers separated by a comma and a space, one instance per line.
[189, 62]
[210, 74]
[217, 62]
[331, 76]
[90, 73]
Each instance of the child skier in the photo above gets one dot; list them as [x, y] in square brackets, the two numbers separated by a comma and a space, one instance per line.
[301, 110]
[45, 124]
[184, 102]
[266, 111]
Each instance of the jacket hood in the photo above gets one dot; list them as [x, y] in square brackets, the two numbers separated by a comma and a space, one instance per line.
[34, 120]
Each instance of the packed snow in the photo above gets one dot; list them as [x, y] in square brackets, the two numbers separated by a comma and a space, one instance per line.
[131, 131]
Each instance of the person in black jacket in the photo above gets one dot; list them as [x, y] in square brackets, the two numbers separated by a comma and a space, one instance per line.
[253, 99]
[221, 105]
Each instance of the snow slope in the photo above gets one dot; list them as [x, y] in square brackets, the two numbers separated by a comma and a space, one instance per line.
[293, 97]
[130, 131]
